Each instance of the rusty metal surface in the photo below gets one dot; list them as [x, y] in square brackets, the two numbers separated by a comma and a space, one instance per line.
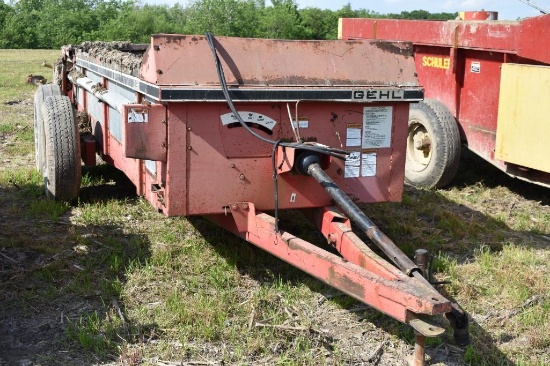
[144, 131]
[187, 60]
[397, 298]
[198, 144]
[419, 350]
[491, 35]
[337, 229]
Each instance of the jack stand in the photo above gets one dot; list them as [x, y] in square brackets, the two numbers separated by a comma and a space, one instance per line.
[419, 349]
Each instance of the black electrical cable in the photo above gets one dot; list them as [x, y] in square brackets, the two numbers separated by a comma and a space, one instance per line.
[340, 154]
[275, 184]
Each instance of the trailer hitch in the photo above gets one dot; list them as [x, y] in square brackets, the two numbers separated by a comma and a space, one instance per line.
[308, 163]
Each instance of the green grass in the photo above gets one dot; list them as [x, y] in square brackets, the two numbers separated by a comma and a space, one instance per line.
[135, 286]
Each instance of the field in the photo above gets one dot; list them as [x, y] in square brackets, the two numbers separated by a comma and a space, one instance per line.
[109, 281]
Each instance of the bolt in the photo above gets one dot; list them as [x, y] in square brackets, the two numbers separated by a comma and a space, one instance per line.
[234, 207]
[188, 128]
[232, 166]
[244, 206]
[241, 176]
[332, 239]
[189, 148]
[163, 144]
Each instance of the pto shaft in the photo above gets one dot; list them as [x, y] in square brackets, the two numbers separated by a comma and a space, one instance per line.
[365, 224]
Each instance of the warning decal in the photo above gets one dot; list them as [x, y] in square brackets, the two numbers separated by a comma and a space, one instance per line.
[352, 165]
[377, 126]
[368, 162]
[136, 115]
[353, 135]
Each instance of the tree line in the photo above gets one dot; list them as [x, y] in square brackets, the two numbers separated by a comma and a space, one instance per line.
[48, 24]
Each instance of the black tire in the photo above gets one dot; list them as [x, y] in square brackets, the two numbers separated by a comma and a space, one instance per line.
[62, 168]
[40, 96]
[433, 145]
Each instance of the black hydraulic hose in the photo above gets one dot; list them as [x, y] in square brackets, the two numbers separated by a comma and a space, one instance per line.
[340, 154]
[356, 215]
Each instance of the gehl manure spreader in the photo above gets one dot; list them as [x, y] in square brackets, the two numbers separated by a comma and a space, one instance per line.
[232, 128]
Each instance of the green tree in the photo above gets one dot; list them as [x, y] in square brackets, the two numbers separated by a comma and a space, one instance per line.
[136, 24]
[19, 26]
[422, 15]
[5, 12]
[224, 17]
[282, 20]
[319, 23]
[64, 22]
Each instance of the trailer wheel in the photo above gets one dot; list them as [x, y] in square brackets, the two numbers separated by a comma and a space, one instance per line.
[62, 166]
[40, 96]
[433, 145]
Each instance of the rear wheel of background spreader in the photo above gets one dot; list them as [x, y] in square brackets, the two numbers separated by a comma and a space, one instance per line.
[43, 92]
[62, 168]
[433, 145]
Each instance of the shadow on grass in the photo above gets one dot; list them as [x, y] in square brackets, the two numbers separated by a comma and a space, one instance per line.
[267, 270]
[61, 283]
[56, 277]
[474, 170]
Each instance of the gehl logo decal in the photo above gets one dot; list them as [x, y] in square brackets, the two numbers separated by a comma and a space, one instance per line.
[375, 95]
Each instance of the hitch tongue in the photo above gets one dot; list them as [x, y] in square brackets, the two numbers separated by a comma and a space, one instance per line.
[356, 215]
[457, 317]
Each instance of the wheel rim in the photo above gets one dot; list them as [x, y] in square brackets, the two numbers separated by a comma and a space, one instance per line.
[419, 147]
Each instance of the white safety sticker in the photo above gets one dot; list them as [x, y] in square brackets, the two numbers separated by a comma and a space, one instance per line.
[475, 67]
[368, 164]
[292, 197]
[138, 115]
[353, 135]
[302, 123]
[352, 165]
[377, 126]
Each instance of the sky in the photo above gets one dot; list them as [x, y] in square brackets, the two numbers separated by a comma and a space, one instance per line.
[507, 9]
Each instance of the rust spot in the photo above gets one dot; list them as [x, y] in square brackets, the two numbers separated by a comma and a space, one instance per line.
[399, 48]
[345, 284]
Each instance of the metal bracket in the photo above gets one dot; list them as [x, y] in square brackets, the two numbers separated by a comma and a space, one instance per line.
[244, 214]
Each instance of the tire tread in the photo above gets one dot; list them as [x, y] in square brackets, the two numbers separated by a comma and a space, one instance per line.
[63, 164]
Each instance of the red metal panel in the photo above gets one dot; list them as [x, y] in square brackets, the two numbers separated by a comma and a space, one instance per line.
[188, 60]
[459, 63]
[175, 172]
[491, 35]
[534, 34]
[435, 70]
[394, 297]
[144, 131]
[479, 100]
[214, 179]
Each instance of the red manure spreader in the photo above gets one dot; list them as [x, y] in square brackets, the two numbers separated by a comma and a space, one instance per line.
[232, 128]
